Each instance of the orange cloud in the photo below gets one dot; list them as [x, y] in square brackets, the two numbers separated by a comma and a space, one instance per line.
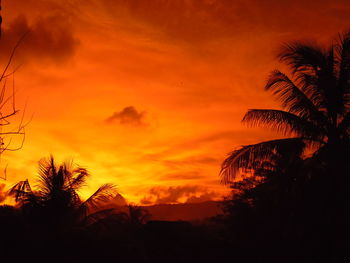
[176, 194]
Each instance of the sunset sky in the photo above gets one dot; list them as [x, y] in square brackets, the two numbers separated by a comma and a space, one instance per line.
[149, 94]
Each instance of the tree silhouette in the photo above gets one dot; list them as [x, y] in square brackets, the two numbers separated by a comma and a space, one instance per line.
[8, 109]
[56, 201]
[316, 102]
[295, 189]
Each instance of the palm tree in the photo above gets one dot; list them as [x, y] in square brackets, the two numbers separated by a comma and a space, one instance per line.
[297, 186]
[56, 200]
[316, 110]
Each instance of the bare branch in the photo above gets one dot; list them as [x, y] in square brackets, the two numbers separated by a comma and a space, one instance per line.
[12, 54]
[8, 103]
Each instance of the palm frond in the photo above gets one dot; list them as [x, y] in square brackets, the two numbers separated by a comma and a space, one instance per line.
[99, 215]
[45, 173]
[292, 98]
[310, 62]
[103, 194]
[302, 57]
[79, 178]
[309, 85]
[282, 121]
[21, 191]
[343, 60]
[251, 157]
[344, 125]
[307, 59]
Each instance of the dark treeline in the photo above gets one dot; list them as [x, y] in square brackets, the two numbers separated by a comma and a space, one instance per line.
[52, 224]
[289, 198]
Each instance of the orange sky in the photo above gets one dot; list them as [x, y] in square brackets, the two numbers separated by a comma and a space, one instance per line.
[149, 94]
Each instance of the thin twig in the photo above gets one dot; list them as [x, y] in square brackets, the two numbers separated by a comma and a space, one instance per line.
[12, 54]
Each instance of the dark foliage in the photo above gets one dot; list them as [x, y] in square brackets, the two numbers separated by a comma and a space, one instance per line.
[52, 224]
[294, 193]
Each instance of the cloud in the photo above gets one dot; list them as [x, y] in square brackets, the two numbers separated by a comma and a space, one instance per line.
[128, 115]
[183, 175]
[198, 22]
[183, 20]
[202, 198]
[49, 38]
[3, 194]
[178, 194]
[191, 161]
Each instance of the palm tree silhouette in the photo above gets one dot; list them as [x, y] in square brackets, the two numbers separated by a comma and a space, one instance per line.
[56, 200]
[296, 188]
[316, 110]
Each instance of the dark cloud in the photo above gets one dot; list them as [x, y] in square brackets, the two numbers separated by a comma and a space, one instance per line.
[49, 38]
[176, 194]
[128, 115]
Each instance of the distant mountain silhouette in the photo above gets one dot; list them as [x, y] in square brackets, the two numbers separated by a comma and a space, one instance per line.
[186, 211]
[117, 200]
[170, 212]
